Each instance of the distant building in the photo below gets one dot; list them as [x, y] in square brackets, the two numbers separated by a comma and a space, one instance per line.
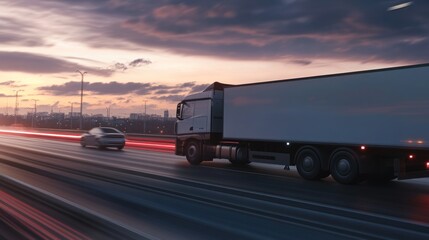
[155, 117]
[136, 116]
[57, 115]
[166, 115]
[74, 114]
[42, 114]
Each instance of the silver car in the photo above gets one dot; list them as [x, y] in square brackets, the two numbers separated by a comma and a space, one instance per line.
[103, 137]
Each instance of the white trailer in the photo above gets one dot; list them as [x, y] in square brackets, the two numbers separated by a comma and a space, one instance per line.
[368, 124]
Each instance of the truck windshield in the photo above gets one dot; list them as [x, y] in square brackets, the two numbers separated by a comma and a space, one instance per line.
[187, 110]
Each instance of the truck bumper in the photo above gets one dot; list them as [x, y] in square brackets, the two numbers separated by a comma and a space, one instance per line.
[180, 148]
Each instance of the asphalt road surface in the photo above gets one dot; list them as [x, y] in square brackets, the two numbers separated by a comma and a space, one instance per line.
[58, 190]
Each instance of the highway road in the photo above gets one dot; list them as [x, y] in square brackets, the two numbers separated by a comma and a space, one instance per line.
[52, 189]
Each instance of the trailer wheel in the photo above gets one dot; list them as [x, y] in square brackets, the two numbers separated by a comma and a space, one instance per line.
[193, 153]
[308, 164]
[344, 167]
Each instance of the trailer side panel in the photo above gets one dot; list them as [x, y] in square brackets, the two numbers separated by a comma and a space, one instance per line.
[383, 108]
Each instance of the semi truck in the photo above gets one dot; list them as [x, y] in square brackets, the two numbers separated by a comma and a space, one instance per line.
[353, 126]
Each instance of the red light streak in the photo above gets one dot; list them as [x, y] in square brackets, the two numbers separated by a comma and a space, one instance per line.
[41, 134]
[134, 142]
[35, 221]
[152, 146]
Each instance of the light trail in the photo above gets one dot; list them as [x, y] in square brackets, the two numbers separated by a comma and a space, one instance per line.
[144, 143]
[41, 134]
[150, 145]
[400, 6]
[33, 223]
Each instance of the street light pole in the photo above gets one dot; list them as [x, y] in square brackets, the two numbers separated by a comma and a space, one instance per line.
[16, 102]
[35, 112]
[144, 118]
[81, 98]
[71, 115]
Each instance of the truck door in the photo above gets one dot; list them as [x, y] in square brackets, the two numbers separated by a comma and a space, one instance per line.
[194, 117]
[186, 122]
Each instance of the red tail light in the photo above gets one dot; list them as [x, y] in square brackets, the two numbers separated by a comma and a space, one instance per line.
[427, 165]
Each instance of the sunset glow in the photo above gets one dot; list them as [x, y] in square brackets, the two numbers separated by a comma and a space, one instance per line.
[160, 51]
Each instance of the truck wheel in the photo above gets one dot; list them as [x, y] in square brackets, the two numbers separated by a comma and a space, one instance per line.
[193, 153]
[344, 167]
[241, 157]
[308, 164]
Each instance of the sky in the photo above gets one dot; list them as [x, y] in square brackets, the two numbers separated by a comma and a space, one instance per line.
[153, 53]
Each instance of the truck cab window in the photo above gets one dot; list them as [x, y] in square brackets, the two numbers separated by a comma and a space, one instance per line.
[188, 110]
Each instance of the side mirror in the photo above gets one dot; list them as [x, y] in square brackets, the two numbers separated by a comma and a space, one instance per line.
[179, 111]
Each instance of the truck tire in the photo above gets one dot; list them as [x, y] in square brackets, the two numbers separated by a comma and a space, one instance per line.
[345, 167]
[308, 164]
[241, 157]
[193, 153]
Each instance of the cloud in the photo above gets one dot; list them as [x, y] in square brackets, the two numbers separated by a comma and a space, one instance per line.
[168, 91]
[27, 35]
[186, 85]
[12, 84]
[139, 62]
[251, 29]
[133, 64]
[7, 83]
[245, 29]
[69, 88]
[198, 88]
[152, 90]
[116, 88]
[170, 98]
[120, 66]
[36, 63]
